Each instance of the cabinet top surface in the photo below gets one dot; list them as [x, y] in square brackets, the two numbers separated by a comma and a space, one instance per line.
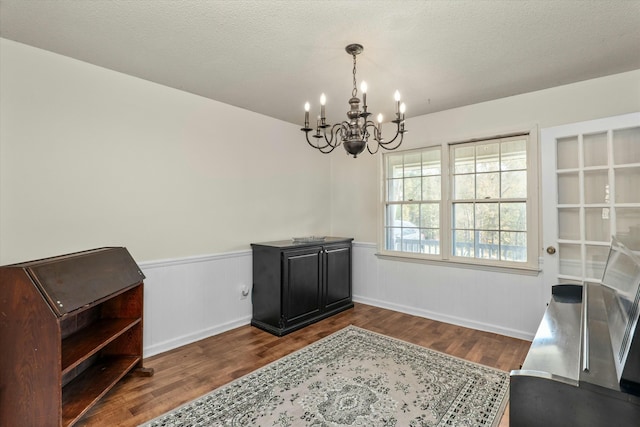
[290, 243]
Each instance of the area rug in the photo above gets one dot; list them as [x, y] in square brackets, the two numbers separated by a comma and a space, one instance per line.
[354, 377]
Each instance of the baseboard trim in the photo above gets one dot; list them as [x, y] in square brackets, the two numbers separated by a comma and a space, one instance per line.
[171, 344]
[445, 318]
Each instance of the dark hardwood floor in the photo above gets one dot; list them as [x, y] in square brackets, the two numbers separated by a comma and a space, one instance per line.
[190, 371]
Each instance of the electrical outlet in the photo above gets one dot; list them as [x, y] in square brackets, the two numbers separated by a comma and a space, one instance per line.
[244, 291]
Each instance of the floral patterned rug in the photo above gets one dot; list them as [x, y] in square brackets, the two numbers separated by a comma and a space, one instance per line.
[354, 377]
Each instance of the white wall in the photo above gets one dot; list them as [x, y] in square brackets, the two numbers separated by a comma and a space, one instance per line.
[90, 157]
[506, 303]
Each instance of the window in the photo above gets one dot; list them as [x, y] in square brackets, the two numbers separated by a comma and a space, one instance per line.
[472, 202]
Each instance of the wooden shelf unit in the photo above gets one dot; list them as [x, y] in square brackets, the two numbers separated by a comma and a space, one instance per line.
[71, 329]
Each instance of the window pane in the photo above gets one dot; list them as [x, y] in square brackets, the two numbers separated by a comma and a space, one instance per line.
[411, 215]
[595, 149]
[487, 216]
[513, 246]
[464, 161]
[430, 215]
[514, 185]
[463, 243]
[626, 146]
[513, 216]
[412, 164]
[464, 187]
[412, 188]
[395, 193]
[431, 243]
[394, 166]
[431, 188]
[463, 216]
[488, 186]
[431, 162]
[488, 157]
[514, 155]
[488, 245]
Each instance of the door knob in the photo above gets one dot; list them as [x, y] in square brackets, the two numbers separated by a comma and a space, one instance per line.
[551, 250]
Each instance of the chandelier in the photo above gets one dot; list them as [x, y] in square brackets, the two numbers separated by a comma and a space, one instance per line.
[354, 133]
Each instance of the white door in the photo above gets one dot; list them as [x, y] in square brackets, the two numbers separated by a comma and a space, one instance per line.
[590, 191]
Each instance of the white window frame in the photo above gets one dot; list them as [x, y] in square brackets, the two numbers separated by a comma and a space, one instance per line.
[531, 266]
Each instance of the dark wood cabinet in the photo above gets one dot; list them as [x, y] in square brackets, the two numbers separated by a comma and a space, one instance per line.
[296, 284]
[70, 329]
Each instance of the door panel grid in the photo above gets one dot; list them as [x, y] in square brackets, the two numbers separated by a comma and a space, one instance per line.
[598, 195]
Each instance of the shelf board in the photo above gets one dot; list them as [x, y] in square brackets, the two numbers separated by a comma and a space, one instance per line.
[88, 341]
[85, 390]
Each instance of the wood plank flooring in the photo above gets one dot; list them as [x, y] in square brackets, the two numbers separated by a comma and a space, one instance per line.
[190, 371]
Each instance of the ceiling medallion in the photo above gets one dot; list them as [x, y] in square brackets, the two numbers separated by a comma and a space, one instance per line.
[354, 133]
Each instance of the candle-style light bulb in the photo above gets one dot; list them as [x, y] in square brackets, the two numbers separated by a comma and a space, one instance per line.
[323, 101]
[306, 114]
[379, 127]
[363, 88]
[379, 118]
[396, 96]
[403, 108]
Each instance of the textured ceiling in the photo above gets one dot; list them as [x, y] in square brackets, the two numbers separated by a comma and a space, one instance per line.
[272, 56]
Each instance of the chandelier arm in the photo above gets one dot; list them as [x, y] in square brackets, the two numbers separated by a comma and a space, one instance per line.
[317, 146]
[385, 145]
[334, 134]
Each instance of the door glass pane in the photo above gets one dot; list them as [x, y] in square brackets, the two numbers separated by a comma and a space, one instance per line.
[626, 146]
[596, 260]
[628, 227]
[627, 185]
[569, 223]
[570, 260]
[595, 149]
[567, 149]
[597, 224]
[568, 189]
[596, 187]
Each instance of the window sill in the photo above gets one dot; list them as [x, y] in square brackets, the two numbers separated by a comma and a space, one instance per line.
[524, 270]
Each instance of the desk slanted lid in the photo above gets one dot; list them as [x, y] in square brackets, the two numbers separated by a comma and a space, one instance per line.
[69, 282]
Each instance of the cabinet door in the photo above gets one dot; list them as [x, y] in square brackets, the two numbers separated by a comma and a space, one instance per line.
[338, 275]
[302, 284]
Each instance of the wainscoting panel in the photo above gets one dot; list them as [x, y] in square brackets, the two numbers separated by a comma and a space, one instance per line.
[192, 298]
[189, 299]
[505, 303]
